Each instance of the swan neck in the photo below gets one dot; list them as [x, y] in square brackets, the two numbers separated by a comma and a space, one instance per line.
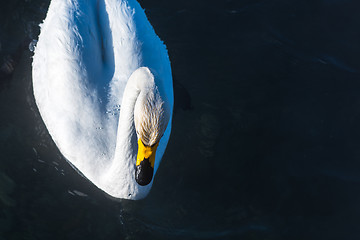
[140, 81]
[122, 167]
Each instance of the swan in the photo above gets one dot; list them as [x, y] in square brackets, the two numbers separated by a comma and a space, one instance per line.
[102, 83]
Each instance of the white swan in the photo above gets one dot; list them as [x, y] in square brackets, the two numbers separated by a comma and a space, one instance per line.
[102, 83]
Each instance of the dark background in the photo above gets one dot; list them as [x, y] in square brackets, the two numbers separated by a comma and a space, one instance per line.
[265, 140]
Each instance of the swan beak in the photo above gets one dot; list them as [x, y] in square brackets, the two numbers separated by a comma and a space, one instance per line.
[145, 163]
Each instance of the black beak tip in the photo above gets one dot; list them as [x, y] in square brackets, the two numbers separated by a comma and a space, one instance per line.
[144, 173]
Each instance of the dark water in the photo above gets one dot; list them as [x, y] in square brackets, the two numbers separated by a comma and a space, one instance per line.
[265, 141]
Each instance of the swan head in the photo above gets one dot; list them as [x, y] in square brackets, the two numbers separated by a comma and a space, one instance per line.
[151, 117]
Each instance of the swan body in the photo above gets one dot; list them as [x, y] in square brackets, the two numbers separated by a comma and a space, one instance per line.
[102, 82]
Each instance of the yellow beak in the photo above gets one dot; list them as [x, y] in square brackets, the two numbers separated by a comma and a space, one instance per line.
[145, 162]
[146, 152]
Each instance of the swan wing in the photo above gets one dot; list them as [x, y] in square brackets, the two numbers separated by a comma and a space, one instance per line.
[71, 72]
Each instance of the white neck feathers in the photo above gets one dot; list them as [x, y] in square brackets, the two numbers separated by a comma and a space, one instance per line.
[145, 115]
